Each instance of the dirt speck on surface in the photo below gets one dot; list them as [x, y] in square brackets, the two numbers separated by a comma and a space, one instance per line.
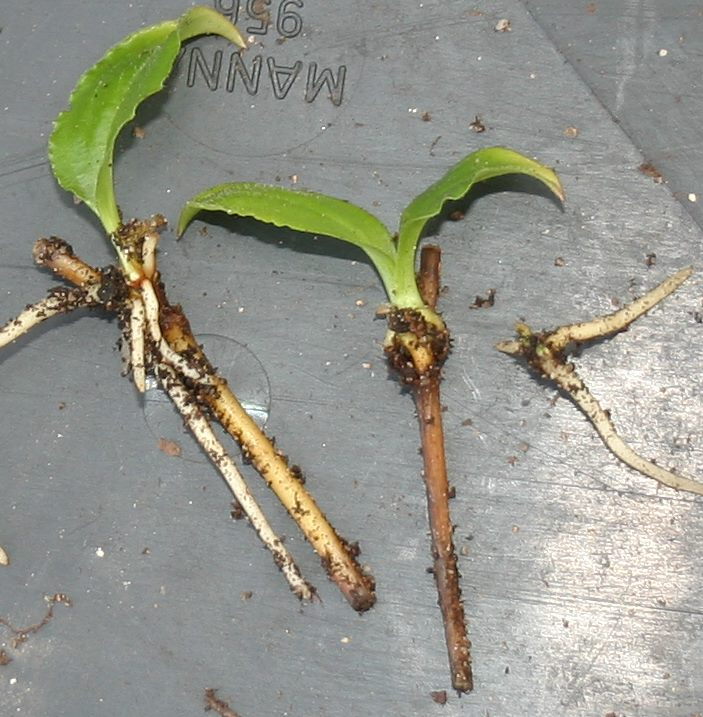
[260, 11]
[477, 125]
[20, 635]
[213, 702]
[650, 259]
[503, 25]
[571, 132]
[559, 261]
[138, 132]
[484, 302]
[5, 659]
[170, 448]
[648, 169]
[236, 512]
[439, 696]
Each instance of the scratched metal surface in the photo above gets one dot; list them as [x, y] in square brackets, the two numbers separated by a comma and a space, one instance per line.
[582, 581]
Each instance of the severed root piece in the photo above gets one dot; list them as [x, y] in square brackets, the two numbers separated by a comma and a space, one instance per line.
[546, 352]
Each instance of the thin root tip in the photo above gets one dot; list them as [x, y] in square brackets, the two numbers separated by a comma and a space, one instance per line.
[306, 593]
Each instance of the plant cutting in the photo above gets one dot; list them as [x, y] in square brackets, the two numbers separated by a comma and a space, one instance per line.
[546, 355]
[156, 336]
[417, 341]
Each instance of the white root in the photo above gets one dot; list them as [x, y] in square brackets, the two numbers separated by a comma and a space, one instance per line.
[137, 323]
[145, 318]
[603, 326]
[35, 314]
[149, 245]
[600, 418]
[545, 354]
[203, 433]
[171, 357]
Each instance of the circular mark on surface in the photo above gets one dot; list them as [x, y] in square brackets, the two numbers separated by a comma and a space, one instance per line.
[246, 377]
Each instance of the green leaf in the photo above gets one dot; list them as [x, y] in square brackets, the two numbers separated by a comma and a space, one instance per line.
[202, 20]
[106, 97]
[303, 211]
[456, 183]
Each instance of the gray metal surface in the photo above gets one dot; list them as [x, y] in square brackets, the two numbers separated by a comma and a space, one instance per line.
[582, 581]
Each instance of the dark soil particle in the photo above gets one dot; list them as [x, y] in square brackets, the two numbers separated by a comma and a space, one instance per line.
[484, 302]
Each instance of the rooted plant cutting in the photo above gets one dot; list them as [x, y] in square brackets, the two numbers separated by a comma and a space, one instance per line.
[417, 341]
[545, 353]
[156, 337]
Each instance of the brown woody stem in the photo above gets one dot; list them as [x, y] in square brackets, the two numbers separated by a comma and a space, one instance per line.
[443, 552]
[426, 390]
[430, 272]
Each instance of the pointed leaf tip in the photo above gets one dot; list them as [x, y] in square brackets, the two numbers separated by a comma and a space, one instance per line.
[457, 182]
[202, 20]
[107, 96]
